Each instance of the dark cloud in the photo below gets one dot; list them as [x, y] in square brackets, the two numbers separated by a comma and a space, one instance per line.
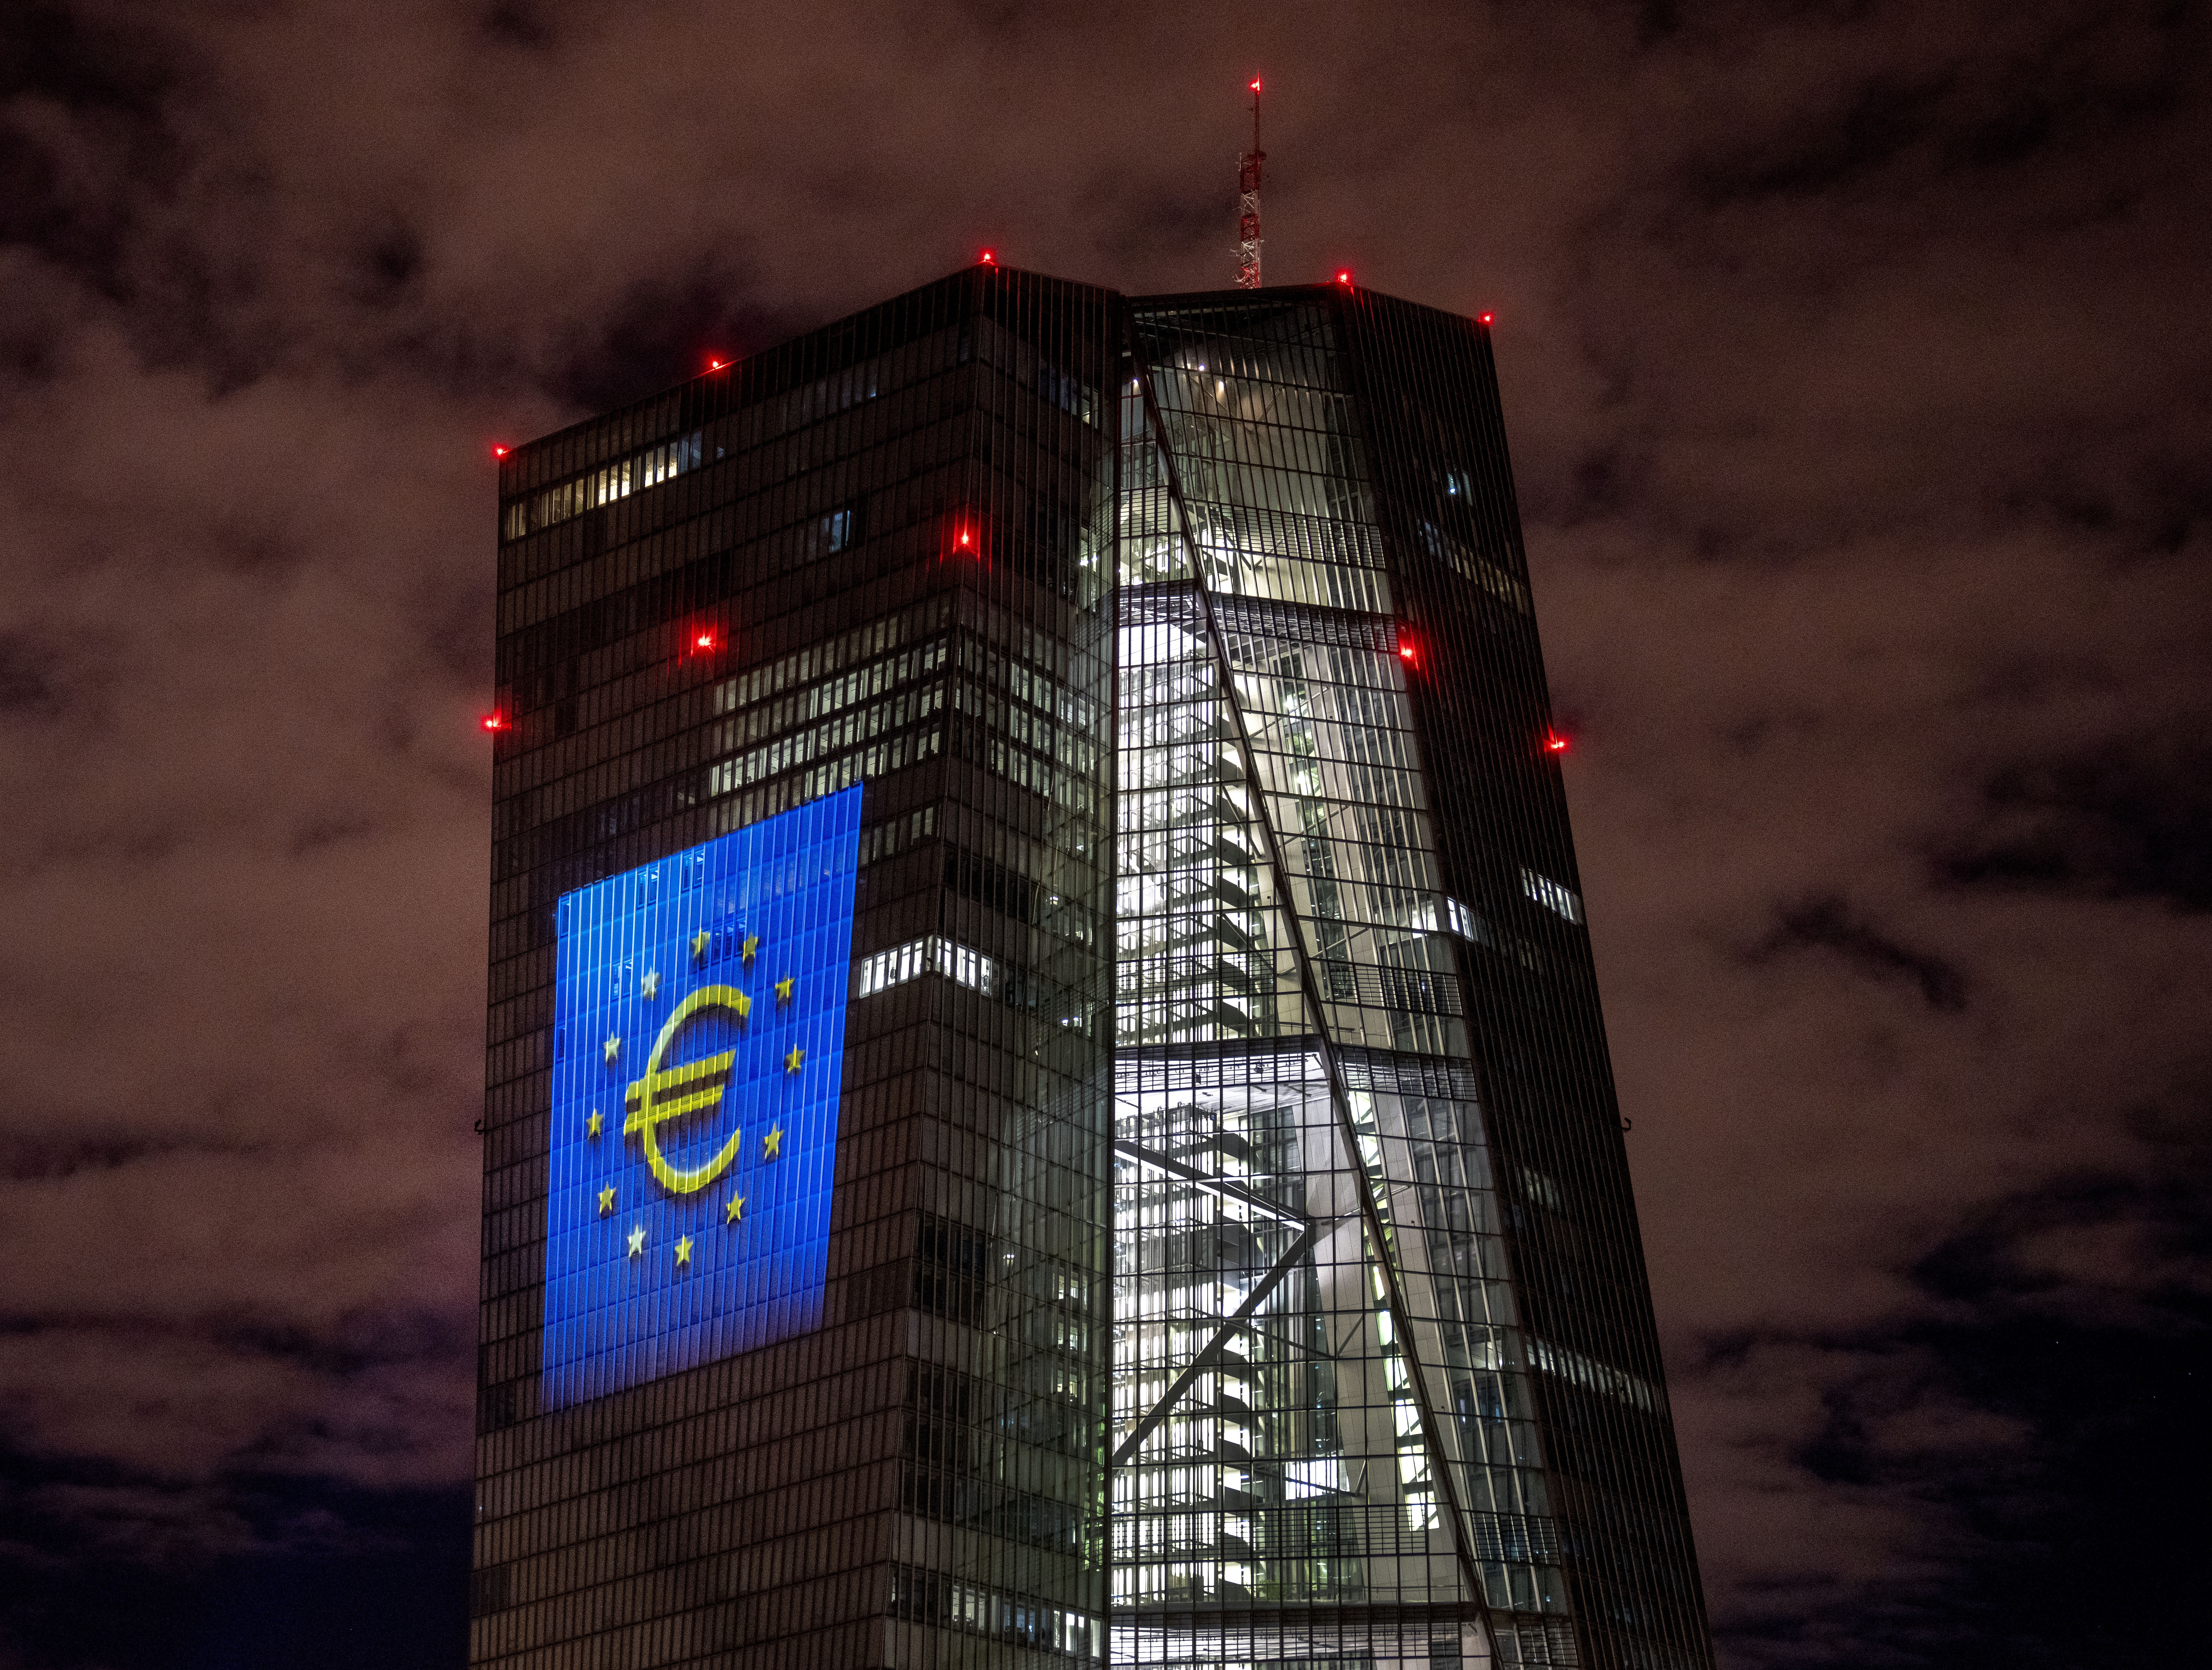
[387, 264]
[32, 678]
[1831, 925]
[516, 23]
[2131, 820]
[99, 1563]
[663, 331]
[83, 62]
[1854, 362]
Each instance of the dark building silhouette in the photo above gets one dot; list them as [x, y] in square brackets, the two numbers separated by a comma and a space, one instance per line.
[1046, 1098]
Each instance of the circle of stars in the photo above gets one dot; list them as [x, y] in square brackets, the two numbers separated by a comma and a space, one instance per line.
[734, 1209]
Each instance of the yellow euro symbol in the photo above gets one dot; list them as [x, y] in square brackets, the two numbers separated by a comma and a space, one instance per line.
[678, 1092]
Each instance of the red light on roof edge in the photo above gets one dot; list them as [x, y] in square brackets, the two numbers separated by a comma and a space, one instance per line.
[1554, 743]
[1256, 84]
[495, 721]
[713, 364]
[1344, 277]
[989, 259]
[1486, 318]
[500, 451]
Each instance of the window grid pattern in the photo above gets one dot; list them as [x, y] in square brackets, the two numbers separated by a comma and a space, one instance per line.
[1269, 1452]
[1426, 393]
[793, 1505]
[1270, 1448]
[1271, 477]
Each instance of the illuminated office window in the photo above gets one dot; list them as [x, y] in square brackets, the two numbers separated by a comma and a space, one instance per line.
[1551, 894]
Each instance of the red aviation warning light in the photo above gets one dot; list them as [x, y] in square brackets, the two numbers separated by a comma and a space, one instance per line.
[987, 258]
[1486, 318]
[495, 720]
[715, 363]
[1406, 653]
[500, 451]
[964, 540]
[1256, 84]
[1554, 743]
[705, 643]
[1343, 277]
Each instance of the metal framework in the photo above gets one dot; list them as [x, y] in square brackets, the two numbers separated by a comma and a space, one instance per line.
[1248, 204]
[1380, 1230]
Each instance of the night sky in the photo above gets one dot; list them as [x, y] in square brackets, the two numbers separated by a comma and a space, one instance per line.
[1855, 362]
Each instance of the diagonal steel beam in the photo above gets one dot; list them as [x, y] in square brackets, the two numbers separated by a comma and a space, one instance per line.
[1207, 1358]
[1221, 1186]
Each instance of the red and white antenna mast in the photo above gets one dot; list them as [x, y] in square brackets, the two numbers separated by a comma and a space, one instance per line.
[1247, 204]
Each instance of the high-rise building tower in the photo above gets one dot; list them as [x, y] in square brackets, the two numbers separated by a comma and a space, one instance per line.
[1046, 1098]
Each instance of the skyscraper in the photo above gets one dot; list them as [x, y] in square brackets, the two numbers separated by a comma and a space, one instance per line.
[1047, 1099]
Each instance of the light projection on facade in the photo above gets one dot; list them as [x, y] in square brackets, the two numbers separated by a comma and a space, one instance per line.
[699, 1041]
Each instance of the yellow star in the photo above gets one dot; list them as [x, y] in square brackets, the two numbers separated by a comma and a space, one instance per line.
[612, 1047]
[593, 1124]
[684, 1250]
[700, 941]
[652, 984]
[790, 1061]
[783, 989]
[637, 1241]
[606, 1199]
[734, 1210]
[772, 1144]
[753, 945]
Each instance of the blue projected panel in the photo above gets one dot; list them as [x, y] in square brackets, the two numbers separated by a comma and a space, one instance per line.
[699, 1043]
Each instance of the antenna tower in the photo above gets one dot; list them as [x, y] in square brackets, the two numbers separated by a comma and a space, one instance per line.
[1247, 204]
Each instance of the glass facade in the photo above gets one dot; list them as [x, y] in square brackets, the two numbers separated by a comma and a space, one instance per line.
[1386, 1383]
[1229, 1250]
[869, 570]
